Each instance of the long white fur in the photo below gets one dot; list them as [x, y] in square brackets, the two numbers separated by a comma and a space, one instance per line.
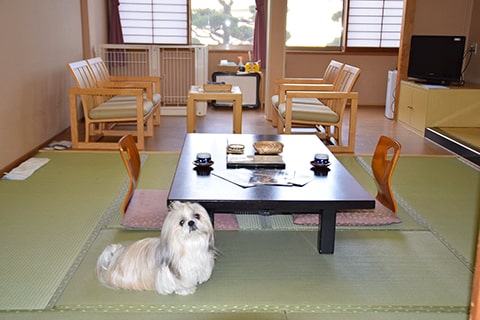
[176, 262]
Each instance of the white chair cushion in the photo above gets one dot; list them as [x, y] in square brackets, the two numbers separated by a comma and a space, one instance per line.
[311, 112]
[156, 98]
[119, 109]
[314, 101]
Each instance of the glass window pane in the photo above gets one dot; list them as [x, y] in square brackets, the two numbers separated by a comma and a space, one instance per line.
[166, 18]
[314, 23]
[386, 15]
[217, 24]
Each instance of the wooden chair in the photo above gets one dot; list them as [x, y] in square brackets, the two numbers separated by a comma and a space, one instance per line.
[332, 72]
[104, 79]
[384, 161]
[108, 111]
[383, 164]
[326, 114]
[142, 208]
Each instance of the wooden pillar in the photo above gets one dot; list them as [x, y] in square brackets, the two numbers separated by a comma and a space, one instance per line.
[275, 68]
[404, 50]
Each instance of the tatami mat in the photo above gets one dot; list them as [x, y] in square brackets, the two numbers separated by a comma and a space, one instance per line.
[443, 195]
[421, 266]
[282, 272]
[47, 220]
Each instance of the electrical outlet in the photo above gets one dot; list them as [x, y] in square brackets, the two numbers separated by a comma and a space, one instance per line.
[473, 48]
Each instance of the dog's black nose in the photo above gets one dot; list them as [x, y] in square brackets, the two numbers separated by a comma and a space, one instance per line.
[192, 226]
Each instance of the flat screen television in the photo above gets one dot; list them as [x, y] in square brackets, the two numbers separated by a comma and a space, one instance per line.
[436, 59]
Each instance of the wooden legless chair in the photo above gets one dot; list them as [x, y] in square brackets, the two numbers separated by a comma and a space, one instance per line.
[383, 164]
[384, 161]
[142, 208]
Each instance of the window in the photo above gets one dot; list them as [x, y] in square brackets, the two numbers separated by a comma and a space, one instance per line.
[320, 23]
[153, 21]
[310, 23]
[217, 22]
[374, 23]
[314, 23]
[212, 22]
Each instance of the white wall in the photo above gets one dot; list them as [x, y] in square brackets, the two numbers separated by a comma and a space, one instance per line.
[38, 39]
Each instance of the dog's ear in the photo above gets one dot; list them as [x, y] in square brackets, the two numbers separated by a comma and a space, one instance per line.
[173, 205]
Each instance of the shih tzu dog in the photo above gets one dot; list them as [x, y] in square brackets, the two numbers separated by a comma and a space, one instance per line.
[176, 262]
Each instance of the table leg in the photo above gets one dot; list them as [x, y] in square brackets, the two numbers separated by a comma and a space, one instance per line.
[190, 114]
[326, 231]
[237, 115]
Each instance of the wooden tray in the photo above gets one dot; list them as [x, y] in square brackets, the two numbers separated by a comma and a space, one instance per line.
[227, 68]
[217, 87]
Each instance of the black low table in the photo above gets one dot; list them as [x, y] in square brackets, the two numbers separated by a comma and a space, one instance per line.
[330, 190]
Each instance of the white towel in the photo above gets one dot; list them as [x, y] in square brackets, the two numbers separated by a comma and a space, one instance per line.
[26, 169]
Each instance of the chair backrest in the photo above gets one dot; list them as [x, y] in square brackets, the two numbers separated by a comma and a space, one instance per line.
[332, 72]
[99, 69]
[345, 81]
[82, 74]
[84, 78]
[383, 163]
[131, 159]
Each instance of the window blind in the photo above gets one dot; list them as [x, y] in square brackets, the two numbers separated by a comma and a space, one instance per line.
[154, 21]
[374, 23]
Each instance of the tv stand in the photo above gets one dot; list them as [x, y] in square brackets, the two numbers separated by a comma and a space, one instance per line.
[421, 106]
[438, 82]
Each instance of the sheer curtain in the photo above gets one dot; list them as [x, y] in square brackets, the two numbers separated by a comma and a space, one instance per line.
[259, 36]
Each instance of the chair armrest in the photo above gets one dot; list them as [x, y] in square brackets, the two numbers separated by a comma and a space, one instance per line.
[280, 81]
[352, 96]
[106, 92]
[146, 86]
[306, 87]
[300, 80]
[283, 88]
[153, 79]
[322, 95]
[135, 78]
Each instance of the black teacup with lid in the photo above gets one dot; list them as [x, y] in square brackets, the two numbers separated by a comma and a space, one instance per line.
[321, 158]
[204, 157]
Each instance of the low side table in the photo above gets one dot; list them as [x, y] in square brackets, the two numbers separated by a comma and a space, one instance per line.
[196, 93]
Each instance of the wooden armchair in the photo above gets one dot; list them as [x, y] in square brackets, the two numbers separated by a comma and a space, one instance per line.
[106, 112]
[104, 79]
[326, 114]
[326, 83]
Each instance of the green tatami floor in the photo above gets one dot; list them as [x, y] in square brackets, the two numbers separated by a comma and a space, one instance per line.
[55, 224]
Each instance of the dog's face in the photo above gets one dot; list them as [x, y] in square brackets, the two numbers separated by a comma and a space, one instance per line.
[187, 220]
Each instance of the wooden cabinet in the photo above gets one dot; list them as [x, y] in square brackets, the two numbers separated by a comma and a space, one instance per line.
[412, 106]
[421, 106]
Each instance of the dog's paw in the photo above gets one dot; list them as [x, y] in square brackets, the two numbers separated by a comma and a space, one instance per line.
[186, 292]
